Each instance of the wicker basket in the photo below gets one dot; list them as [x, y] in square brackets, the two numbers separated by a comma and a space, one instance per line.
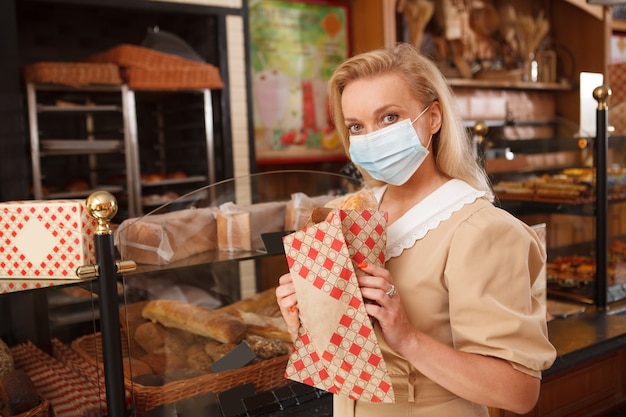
[74, 74]
[182, 78]
[266, 375]
[133, 56]
[147, 69]
[42, 410]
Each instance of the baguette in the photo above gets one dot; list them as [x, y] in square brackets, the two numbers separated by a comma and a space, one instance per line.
[196, 320]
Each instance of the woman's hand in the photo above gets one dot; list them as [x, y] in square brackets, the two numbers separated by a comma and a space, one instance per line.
[287, 301]
[384, 304]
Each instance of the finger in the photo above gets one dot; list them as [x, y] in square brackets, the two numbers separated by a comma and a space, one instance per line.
[375, 270]
[284, 279]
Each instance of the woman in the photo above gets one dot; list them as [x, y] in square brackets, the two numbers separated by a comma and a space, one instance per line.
[458, 326]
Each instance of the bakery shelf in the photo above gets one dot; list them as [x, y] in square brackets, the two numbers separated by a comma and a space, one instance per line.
[67, 108]
[175, 181]
[81, 133]
[77, 146]
[113, 189]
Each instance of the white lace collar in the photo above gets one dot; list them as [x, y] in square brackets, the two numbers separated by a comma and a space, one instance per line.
[427, 214]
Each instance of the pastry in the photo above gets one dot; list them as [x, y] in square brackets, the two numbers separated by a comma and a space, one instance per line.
[6, 359]
[266, 348]
[218, 352]
[194, 319]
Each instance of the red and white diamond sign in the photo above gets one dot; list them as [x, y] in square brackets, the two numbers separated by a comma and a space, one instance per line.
[45, 240]
[337, 349]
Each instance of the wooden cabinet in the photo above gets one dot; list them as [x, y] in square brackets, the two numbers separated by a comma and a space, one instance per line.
[589, 389]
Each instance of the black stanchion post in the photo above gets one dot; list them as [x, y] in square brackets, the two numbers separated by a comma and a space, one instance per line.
[601, 94]
[102, 206]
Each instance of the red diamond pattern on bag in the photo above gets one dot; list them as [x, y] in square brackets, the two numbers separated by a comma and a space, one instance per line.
[45, 240]
[337, 349]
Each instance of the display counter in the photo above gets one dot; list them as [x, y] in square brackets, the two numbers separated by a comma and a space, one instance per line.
[588, 377]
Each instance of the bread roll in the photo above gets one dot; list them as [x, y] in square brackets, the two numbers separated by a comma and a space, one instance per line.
[4, 402]
[198, 359]
[194, 319]
[154, 338]
[20, 391]
[161, 363]
[134, 367]
[362, 200]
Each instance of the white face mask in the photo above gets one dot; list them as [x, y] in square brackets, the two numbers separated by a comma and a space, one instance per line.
[391, 154]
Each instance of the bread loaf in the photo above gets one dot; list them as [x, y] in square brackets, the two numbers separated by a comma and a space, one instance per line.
[240, 227]
[160, 239]
[259, 301]
[196, 320]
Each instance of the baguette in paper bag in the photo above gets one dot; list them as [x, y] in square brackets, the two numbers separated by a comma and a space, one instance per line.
[337, 349]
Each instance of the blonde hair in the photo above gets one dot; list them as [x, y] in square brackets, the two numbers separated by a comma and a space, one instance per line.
[452, 145]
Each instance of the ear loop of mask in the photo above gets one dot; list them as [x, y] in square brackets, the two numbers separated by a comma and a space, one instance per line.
[415, 120]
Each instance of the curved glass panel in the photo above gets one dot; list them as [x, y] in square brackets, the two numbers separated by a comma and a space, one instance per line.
[235, 219]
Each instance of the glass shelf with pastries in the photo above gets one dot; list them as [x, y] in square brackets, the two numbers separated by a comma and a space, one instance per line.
[553, 181]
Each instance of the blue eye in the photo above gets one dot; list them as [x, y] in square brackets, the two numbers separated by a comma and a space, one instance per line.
[354, 129]
[390, 118]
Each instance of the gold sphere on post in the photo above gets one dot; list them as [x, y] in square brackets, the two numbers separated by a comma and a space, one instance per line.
[480, 130]
[102, 206]
[602, 94]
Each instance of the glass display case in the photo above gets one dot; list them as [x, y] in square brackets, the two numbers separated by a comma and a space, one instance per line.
[219, 250]
[554, 181]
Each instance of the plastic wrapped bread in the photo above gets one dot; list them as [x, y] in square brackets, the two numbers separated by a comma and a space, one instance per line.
[239, 227]
[163, 238]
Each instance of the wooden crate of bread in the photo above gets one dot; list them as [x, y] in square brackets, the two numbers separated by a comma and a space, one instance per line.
[163, 365]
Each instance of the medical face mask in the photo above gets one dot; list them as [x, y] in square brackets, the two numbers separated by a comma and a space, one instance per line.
[391, 154]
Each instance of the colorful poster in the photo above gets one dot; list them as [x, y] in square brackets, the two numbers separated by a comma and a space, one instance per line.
[294, 48]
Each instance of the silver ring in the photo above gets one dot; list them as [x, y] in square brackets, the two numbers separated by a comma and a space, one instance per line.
[392, 291]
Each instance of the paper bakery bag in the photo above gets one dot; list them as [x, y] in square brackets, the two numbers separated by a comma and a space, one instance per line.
[337, 349]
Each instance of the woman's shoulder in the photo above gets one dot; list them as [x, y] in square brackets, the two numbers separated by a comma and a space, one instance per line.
[484, 215]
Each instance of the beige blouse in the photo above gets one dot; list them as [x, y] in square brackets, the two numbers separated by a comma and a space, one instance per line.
[464, 270]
